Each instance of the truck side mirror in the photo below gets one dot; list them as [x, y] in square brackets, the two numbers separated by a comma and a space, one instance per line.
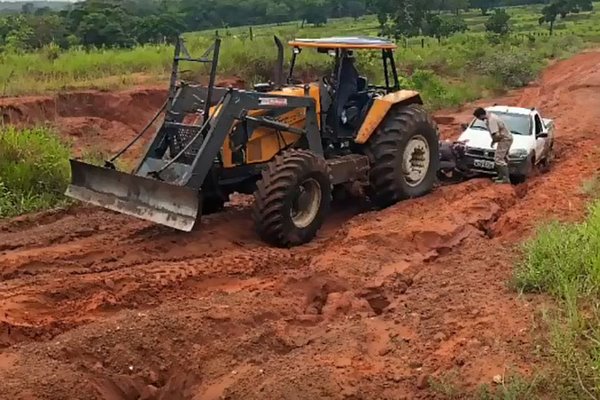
[542, 135]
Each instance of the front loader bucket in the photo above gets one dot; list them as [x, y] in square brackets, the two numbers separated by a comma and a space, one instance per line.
[145, 198]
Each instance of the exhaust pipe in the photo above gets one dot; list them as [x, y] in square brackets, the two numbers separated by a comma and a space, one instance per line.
[279, 66]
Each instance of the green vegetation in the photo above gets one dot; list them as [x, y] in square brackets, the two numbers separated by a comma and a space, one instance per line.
[498, 22]
[462, 65]
[563, 260]
[451, 59]
[562, 8]
[125, 23]
[34, 170]
[511, 386]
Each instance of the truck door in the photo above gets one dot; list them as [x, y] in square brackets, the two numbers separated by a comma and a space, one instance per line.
[540, 143]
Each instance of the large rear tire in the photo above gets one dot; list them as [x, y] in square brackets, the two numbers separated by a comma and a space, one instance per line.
[404, 156]
[292, 199]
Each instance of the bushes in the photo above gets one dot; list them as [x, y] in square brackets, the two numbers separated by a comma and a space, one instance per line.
[34, 170]
[558, 47]
[436, 92]
[512, 68]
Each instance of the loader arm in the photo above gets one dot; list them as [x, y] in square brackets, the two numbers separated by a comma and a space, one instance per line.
[166, 188]
[235, 108]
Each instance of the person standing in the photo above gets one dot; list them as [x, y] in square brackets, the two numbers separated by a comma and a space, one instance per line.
[501, 135]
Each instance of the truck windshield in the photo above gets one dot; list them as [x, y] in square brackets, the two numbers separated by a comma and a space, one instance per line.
[519, 124]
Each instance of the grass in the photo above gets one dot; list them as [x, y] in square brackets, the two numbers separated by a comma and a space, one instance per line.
[445, 385]
[513, 387]
[563, 260]
[591, 186]
[34, 170]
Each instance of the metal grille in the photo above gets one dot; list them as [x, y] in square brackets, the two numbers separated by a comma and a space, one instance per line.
[481, 153]
[179, 138]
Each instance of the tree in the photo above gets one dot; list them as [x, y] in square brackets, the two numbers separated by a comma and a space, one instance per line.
[27, 8]
[277, 12]
[404, 19]
[562, 8]
[42, 11]
[356, 8]
[18, 39]
[483, 5]
[48, 29]
[457, 5]
[549, 15]
[155, 28]
[383, 9]
[498, 22]
[440, 27]
[98, 29]
[314, 12]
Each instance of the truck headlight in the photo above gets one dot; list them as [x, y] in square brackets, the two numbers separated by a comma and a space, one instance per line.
[518, 153]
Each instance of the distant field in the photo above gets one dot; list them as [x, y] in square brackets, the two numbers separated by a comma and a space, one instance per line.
[459, 68]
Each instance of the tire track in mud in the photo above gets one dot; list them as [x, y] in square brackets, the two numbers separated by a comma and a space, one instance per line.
[369, 310]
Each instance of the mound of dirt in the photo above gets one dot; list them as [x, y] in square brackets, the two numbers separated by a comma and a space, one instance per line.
[94, 121]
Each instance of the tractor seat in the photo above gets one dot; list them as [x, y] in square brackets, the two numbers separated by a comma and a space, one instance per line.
[356, 110]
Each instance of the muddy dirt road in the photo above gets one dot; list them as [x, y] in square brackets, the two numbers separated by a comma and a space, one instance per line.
[96, 305]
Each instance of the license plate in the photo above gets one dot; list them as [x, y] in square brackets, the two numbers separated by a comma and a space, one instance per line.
[486, 164]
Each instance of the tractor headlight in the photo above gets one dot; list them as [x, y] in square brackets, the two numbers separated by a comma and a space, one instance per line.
[518, 153]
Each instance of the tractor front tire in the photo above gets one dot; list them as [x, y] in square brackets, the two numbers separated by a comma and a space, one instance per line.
[404, 156]
[292, 198]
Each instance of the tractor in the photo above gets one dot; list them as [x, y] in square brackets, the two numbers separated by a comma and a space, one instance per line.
[291, 144]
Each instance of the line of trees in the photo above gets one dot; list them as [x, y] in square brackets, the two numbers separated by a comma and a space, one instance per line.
[125, 23]
[417, 17]
[562, 8]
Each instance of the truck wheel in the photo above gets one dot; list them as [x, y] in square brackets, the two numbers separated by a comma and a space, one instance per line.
[546, 163]
[292, 198]
[517, 179]
[404, 155]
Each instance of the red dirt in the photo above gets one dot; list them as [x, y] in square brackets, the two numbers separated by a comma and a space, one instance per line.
[96, 305]
[94, 121]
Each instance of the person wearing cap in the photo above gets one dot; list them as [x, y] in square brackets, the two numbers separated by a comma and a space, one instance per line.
[501, 135]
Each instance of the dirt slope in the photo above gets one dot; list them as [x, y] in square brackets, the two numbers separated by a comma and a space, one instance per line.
[100, 306]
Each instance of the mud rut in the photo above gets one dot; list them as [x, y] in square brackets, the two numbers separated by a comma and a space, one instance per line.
[95, 305]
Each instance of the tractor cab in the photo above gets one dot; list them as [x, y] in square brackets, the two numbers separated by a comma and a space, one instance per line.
[345, 93]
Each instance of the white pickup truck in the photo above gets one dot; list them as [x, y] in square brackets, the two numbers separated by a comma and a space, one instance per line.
[533, 141]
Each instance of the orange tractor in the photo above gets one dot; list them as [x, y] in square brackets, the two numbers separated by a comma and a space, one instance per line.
[288, 143]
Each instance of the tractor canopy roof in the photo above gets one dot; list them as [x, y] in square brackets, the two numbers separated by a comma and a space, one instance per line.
[344, 43]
